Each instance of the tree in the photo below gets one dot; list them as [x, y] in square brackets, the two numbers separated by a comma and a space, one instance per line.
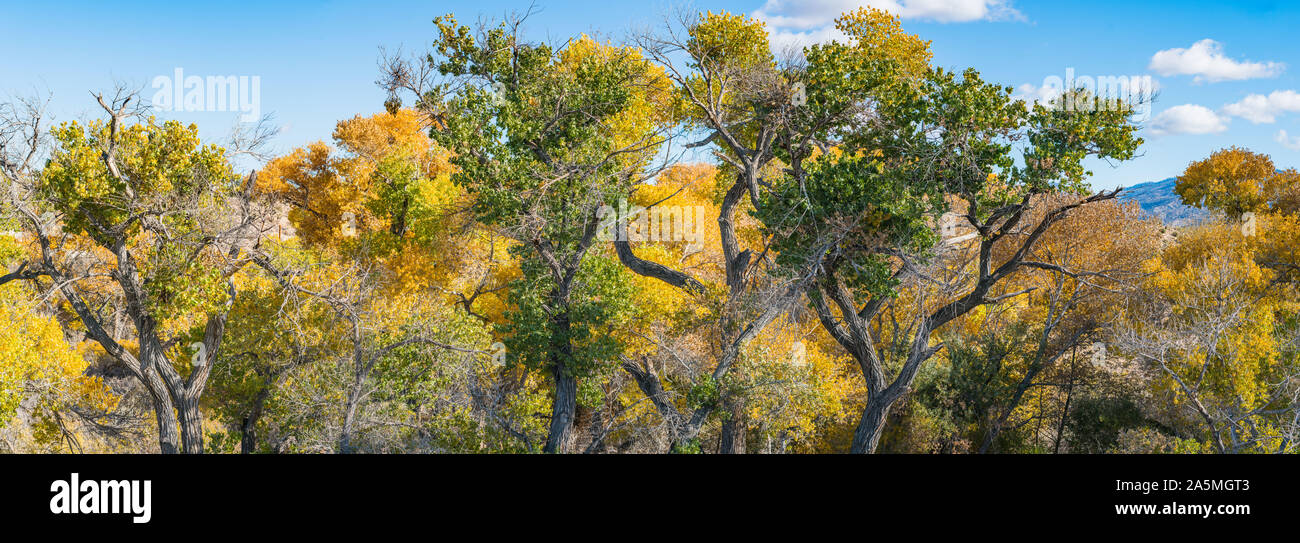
[862, 219]
[747, 106]
[783, 380]
[1090, 261]
[172, 219]
[541, 138]
[384, 248]
[1217, 329]
[44, 379]
[1217, 318]
[1236, 181]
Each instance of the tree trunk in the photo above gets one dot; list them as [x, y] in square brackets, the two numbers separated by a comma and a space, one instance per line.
[734, 428]
[360, 370]
[169, 441]
[565, 405]
[191, 422]
[867, 437]
[350, 410]
[562, 410]
[248, 427]
[349, 421]
[248, 435]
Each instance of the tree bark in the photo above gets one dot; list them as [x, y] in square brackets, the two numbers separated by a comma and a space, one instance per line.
[867, 436]
[563, 410]
[565, 405]
[734, 428]
[349, 421]
[248, 427]
[360, 370]
[191, 423]
[169, 440]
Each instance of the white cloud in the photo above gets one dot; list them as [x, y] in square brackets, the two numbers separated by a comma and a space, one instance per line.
[1260, 109]
[806, 14]
[1035, 94]
[802, 22]
[1188, 119]
[782, 40]
[1287, 141]
[1205, 60]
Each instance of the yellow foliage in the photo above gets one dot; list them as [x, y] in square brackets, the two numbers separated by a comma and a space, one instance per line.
[881, 35]
[1233, 180]
[38, 364]
[653, 103]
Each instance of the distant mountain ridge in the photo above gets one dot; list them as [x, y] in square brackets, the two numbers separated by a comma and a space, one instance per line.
[1158, 198]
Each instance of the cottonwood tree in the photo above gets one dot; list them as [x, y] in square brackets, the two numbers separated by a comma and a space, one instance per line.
[1248, 188]
[865, 216]
[1236, 181]
[1216, 321]
[1218, 338]
[757, 120]
[782, 379]
[157, 220]
[1082, 267]
[542, 137]
[384, 249]
[50, 398]
[392, 340]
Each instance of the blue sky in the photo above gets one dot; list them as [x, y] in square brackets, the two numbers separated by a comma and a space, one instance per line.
[316, 61]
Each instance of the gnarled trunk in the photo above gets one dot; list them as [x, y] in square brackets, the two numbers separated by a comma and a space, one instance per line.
[867, 436]
[563, 410]
[734, 428]
[169, 440]
[191, 423]
[565, 405]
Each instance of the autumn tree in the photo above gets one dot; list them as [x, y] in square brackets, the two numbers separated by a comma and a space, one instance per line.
[155, 219]
[1090, 261]
[49, 400]
[383, 246]
[749, 110]
[541, 138]
[1236, 181]
[784, 377]
[1217, 330]
[1217, 319]
[864, 219]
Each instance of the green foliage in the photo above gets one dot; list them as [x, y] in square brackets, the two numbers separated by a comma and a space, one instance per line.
[688, 447]
[856, 201]
[584, 336]
[1097, 423]
[542, 131]
[705, 392]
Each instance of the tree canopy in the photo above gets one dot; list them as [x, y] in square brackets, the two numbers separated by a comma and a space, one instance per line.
[678, 241]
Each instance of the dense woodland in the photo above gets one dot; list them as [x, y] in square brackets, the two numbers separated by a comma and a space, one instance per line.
[839, 249]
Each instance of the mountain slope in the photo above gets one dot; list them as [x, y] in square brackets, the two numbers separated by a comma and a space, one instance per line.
[1158, 198]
